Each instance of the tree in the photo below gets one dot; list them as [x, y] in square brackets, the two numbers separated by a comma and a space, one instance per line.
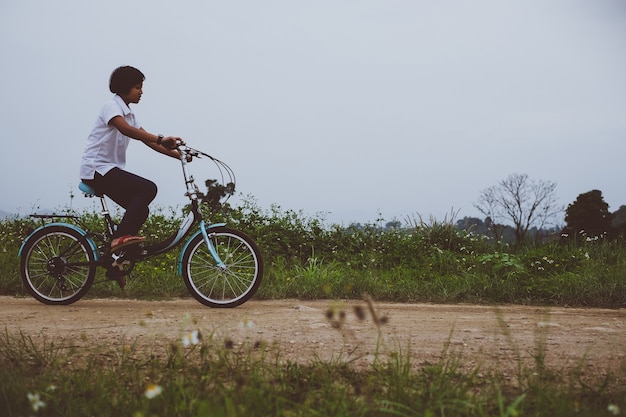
[523, 201]
[589, 213]
[619, 222]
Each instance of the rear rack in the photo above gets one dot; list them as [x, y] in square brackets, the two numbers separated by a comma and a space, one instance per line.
[50, 217]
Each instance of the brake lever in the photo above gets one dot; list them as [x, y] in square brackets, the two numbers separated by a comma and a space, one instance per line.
[190, 153]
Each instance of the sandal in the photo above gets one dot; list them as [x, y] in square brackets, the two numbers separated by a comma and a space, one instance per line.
[122, 242]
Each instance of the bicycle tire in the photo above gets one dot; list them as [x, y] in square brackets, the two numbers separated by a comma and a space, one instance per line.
[228, 286]
[47, 265]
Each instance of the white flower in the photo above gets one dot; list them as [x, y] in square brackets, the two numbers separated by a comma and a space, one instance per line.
[614, 409]
[35, 401]
[191, 338]
[246, 324]
[153, 390]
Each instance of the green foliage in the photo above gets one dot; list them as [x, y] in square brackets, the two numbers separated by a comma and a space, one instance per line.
[589, 214]
[214, 200]
[424, 261]
[12, 233]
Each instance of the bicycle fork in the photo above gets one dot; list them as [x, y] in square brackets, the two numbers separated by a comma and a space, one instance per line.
[211, 247]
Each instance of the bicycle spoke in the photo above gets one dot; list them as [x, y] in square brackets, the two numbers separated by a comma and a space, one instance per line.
[232, 282]
[57, 266]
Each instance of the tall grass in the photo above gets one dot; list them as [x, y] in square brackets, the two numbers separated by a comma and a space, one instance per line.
[201, 374]
[418, 261]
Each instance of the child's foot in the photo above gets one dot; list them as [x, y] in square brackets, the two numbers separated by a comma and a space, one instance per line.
[116, 271]
[118, 276]
[123, 241]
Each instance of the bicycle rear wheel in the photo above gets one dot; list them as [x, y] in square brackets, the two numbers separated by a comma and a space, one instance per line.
[229, 285]
[57, 265]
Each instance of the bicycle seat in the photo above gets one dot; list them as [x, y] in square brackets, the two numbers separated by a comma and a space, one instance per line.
[88, 189]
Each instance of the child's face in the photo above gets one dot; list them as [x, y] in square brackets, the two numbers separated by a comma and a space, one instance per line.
[134, 95]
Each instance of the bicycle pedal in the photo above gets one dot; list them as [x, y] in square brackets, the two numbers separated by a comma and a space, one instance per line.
[115, 272]
[120, 265]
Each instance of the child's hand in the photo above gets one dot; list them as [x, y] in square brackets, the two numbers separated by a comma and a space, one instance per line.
[172, 142]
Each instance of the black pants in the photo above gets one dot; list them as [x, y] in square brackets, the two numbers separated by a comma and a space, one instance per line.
[130, 191]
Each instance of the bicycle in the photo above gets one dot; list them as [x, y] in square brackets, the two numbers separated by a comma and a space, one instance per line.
[220, 266]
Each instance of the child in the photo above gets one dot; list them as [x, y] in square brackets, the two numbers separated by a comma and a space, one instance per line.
[104, 158]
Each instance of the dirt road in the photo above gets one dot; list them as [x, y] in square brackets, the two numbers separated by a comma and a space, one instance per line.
[327, 329]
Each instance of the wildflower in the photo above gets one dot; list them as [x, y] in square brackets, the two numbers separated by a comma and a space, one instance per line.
[191, 338]
[153, 390]
[35, 401]
[613, 409]
[246, 324]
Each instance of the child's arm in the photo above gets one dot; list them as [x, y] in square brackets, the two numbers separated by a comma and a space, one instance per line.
[149, 139]
[165, 141]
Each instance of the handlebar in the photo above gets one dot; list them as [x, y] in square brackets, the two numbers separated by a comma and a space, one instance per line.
[187, 153]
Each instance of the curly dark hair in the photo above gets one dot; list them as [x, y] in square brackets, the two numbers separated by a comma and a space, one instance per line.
[124, 78]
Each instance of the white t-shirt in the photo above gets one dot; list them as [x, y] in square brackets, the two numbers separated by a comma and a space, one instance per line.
[106, 146]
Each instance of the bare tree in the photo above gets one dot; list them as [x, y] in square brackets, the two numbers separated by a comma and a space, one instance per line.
[524, 202]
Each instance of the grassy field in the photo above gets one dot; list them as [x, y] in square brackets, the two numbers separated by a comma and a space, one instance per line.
[305, 259]
[433, 262]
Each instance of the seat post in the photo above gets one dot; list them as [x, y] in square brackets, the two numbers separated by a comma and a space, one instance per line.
[107, 216]
[103, 203]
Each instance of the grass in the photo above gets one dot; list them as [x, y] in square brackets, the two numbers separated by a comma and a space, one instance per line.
[201, 374]
[421, 262]
[434, 262]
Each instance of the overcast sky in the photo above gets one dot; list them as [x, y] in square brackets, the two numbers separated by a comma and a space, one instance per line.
[344, 107]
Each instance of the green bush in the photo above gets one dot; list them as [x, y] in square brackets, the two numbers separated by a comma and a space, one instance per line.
[307, 258]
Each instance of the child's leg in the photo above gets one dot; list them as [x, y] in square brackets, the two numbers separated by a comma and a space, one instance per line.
[133, 193]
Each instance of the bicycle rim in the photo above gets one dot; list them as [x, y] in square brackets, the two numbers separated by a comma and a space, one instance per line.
[53, 266]
[223, 286]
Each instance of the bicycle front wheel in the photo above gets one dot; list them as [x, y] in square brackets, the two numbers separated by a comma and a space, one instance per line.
[227, 285]
[57, 265]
